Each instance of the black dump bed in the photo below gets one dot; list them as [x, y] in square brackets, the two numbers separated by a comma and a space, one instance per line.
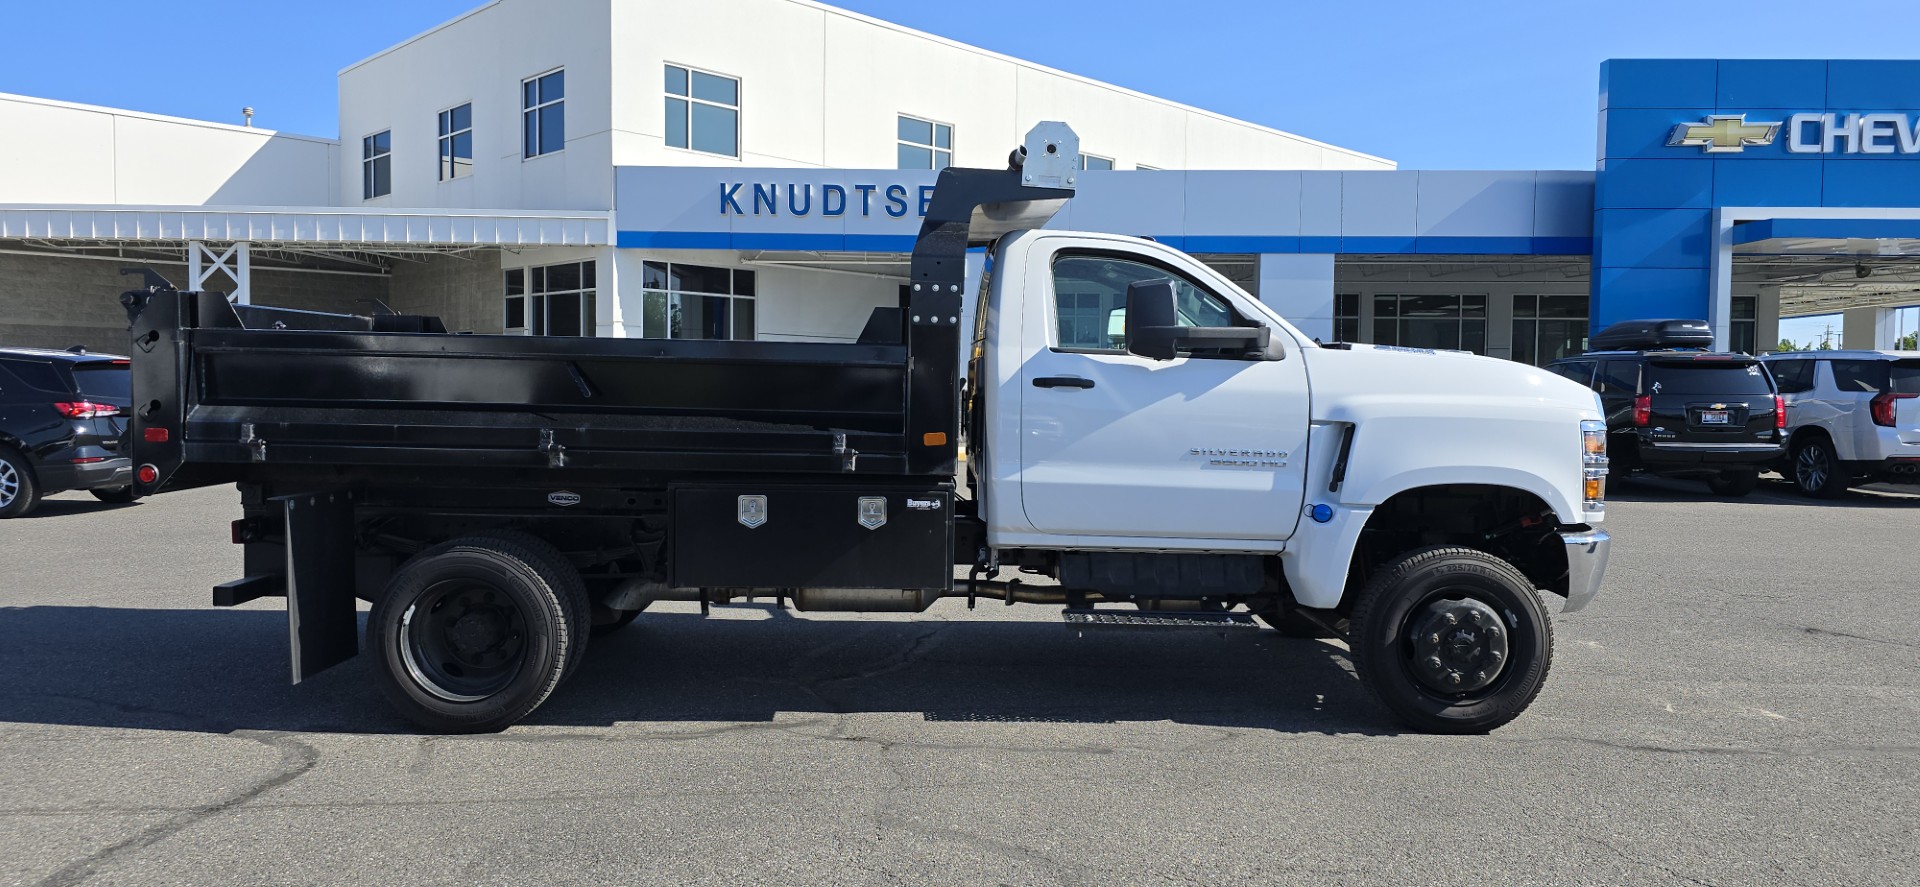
[252, 389]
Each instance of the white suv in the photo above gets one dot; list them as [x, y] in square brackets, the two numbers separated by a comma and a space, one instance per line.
[1852, 417]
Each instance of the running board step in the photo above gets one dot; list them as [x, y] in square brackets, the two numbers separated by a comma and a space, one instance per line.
[1156, 619]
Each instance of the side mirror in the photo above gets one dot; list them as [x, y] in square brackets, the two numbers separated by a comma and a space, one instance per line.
[1153, 327]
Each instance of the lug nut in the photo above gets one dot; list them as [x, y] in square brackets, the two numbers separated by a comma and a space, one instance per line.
[1433, 638]
[1453, 618]
[1493, 655]
[1433, 662]
[1480, 676]
[1453, 677]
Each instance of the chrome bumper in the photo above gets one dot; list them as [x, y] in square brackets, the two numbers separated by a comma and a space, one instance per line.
[1586, 564]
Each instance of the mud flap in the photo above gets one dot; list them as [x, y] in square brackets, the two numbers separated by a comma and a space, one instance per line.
[322, 624]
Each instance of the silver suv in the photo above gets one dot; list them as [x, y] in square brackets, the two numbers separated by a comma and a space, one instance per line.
[1852, 417]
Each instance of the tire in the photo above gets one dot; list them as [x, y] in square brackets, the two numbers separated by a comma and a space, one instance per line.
[114, 496]
[469, 636]
[619, 620]
[19, 489]
[1734, 483]
[1816, 472]
[561, 575]
[1414, 594]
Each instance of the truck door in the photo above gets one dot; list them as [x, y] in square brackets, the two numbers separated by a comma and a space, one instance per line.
[1198, 447]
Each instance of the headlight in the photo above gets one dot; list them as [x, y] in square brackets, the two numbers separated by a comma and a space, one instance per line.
[1593, 463]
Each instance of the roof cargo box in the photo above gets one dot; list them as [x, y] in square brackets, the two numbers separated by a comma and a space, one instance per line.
[1644, 335]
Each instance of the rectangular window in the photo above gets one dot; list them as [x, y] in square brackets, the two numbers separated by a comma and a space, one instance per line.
[1743, 331]
[543, 113]
[1547, 328]
[924, 144]
[1346, 317]
[703, 111]
[1145, 168]
[376, 165]
[1095, 161]
[456, 142]
[552, 300]
[1445, 322]
[682, 301]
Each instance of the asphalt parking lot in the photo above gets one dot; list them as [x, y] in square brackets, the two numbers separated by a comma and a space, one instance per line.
[1738, 707]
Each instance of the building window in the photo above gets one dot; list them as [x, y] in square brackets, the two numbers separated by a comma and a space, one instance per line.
[1145, 168]
[703, 111]
[1095, 161]
[1346, 317]
[1743, 330]
[1547, 328]
[376, 165]
[456, 142]
[925, 144]
[1455, 323]
[696, 302]
[553, 300]
[543, 113]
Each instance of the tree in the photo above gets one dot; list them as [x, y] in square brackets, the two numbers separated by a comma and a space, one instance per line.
[1787, 345]
[1908, 342]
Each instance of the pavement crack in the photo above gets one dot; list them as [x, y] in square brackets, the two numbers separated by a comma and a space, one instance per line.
[296, 759]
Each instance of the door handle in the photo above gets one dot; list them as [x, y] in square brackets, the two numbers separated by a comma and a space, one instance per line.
[1062, 382]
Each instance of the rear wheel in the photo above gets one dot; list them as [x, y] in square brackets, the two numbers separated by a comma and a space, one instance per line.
[1451, 640]
[1734, 483]
[114, 496]
[559, 573]
[19, 492]
[1816, 471]
[470, 636]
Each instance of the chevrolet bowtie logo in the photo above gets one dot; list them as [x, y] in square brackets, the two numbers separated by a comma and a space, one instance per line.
[1721, 134]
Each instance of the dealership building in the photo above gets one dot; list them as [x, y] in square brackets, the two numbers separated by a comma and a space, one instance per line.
[623, 168]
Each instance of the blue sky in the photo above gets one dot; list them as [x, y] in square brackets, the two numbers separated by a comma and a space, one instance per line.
[1479, 84]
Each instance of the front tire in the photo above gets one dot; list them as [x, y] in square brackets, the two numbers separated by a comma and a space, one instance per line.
[1451, 640]
[1734, 483]
[470, 636]
[1816, 470]
[19, 489]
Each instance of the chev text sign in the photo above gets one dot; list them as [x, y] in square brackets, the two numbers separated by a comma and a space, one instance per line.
[1809, 133]
[797, 199]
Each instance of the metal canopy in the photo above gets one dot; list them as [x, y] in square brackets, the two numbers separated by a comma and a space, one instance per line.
[330, 228]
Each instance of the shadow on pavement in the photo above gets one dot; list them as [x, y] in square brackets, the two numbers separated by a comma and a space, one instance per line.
[219, 671]
[1772, 491]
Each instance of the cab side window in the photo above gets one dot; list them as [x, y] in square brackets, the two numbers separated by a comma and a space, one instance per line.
[1861, 376]
[1579, 371]
[1090, 301]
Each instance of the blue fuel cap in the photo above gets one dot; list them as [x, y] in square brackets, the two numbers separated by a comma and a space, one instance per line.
[1322, 513]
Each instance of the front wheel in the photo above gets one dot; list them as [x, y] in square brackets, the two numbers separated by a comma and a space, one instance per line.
[470, 636]
[1451, 640]
[19, 492]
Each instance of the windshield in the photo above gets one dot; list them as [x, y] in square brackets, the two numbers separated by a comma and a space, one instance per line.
[1706, 379]
[112, 383]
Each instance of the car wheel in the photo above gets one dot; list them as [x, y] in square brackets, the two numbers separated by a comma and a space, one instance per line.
[1451, 640]
[1816, 472]
[1734, 483]
[469, 636]
[19, 491]
[560, 573]
[115, 495]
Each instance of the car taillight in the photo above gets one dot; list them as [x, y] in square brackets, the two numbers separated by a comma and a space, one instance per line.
[1643, 410]
[1883, 406]
[1779, 412]
[86, 409]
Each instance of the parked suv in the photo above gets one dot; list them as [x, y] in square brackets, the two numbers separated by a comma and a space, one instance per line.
[1683, 413]
[1852, 417]
[61, 416]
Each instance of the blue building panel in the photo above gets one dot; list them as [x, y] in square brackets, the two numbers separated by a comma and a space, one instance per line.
[1752, 85]
[1643, 132]
[1654, 184]
[1637, 293]
[1881, 85]
[1658, 83]
[1878, 182]
[1652, 238]
[1771, 182]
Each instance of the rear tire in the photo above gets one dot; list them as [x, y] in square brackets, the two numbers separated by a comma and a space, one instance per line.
[19, 489]
[1494, 648]
[469, 636]
[1734, 483]
[114, 496]
[1817, 472]
[559, 573]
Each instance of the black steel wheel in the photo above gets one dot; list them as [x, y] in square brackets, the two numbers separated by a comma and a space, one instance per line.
[470, 636]
[19, 490]
[560, 573]
[1451, 640]
[115, 495]
[1734, 483]
[1816, 470]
